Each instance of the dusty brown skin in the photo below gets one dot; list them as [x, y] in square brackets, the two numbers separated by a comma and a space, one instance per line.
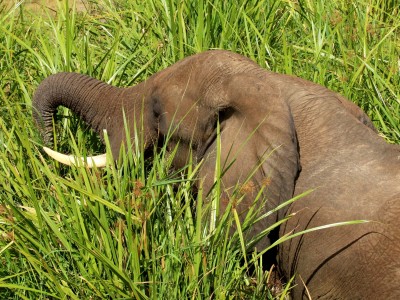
[303, 136]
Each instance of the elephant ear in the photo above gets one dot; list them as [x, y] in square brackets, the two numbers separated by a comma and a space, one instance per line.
[357, 112]
[258, 141]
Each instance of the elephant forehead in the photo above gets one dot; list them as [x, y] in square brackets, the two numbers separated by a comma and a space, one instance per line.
[180, 78]
[178, 102]
[184, 118]
[176, 95]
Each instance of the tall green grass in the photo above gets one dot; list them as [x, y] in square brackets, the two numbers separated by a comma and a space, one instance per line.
[135, 230]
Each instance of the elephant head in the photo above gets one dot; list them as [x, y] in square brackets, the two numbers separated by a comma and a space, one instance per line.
[288, 132]
[185, 102]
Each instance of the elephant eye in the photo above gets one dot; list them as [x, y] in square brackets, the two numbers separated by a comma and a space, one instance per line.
[157, 107]
[225, 114]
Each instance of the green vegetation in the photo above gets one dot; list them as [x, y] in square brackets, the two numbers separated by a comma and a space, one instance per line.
[135, 230]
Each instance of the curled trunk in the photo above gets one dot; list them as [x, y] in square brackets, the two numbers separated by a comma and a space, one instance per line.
[93, 100]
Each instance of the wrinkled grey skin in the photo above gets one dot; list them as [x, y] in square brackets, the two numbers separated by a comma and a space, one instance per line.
[303, 135]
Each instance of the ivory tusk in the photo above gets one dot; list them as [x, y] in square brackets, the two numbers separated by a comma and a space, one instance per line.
[91, 161]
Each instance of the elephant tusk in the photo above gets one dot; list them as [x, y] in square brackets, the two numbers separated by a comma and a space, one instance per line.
[98, 161]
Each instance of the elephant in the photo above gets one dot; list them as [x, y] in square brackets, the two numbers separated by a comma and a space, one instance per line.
[285, 135]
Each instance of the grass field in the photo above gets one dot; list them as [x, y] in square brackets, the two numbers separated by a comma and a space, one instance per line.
[134, 231]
